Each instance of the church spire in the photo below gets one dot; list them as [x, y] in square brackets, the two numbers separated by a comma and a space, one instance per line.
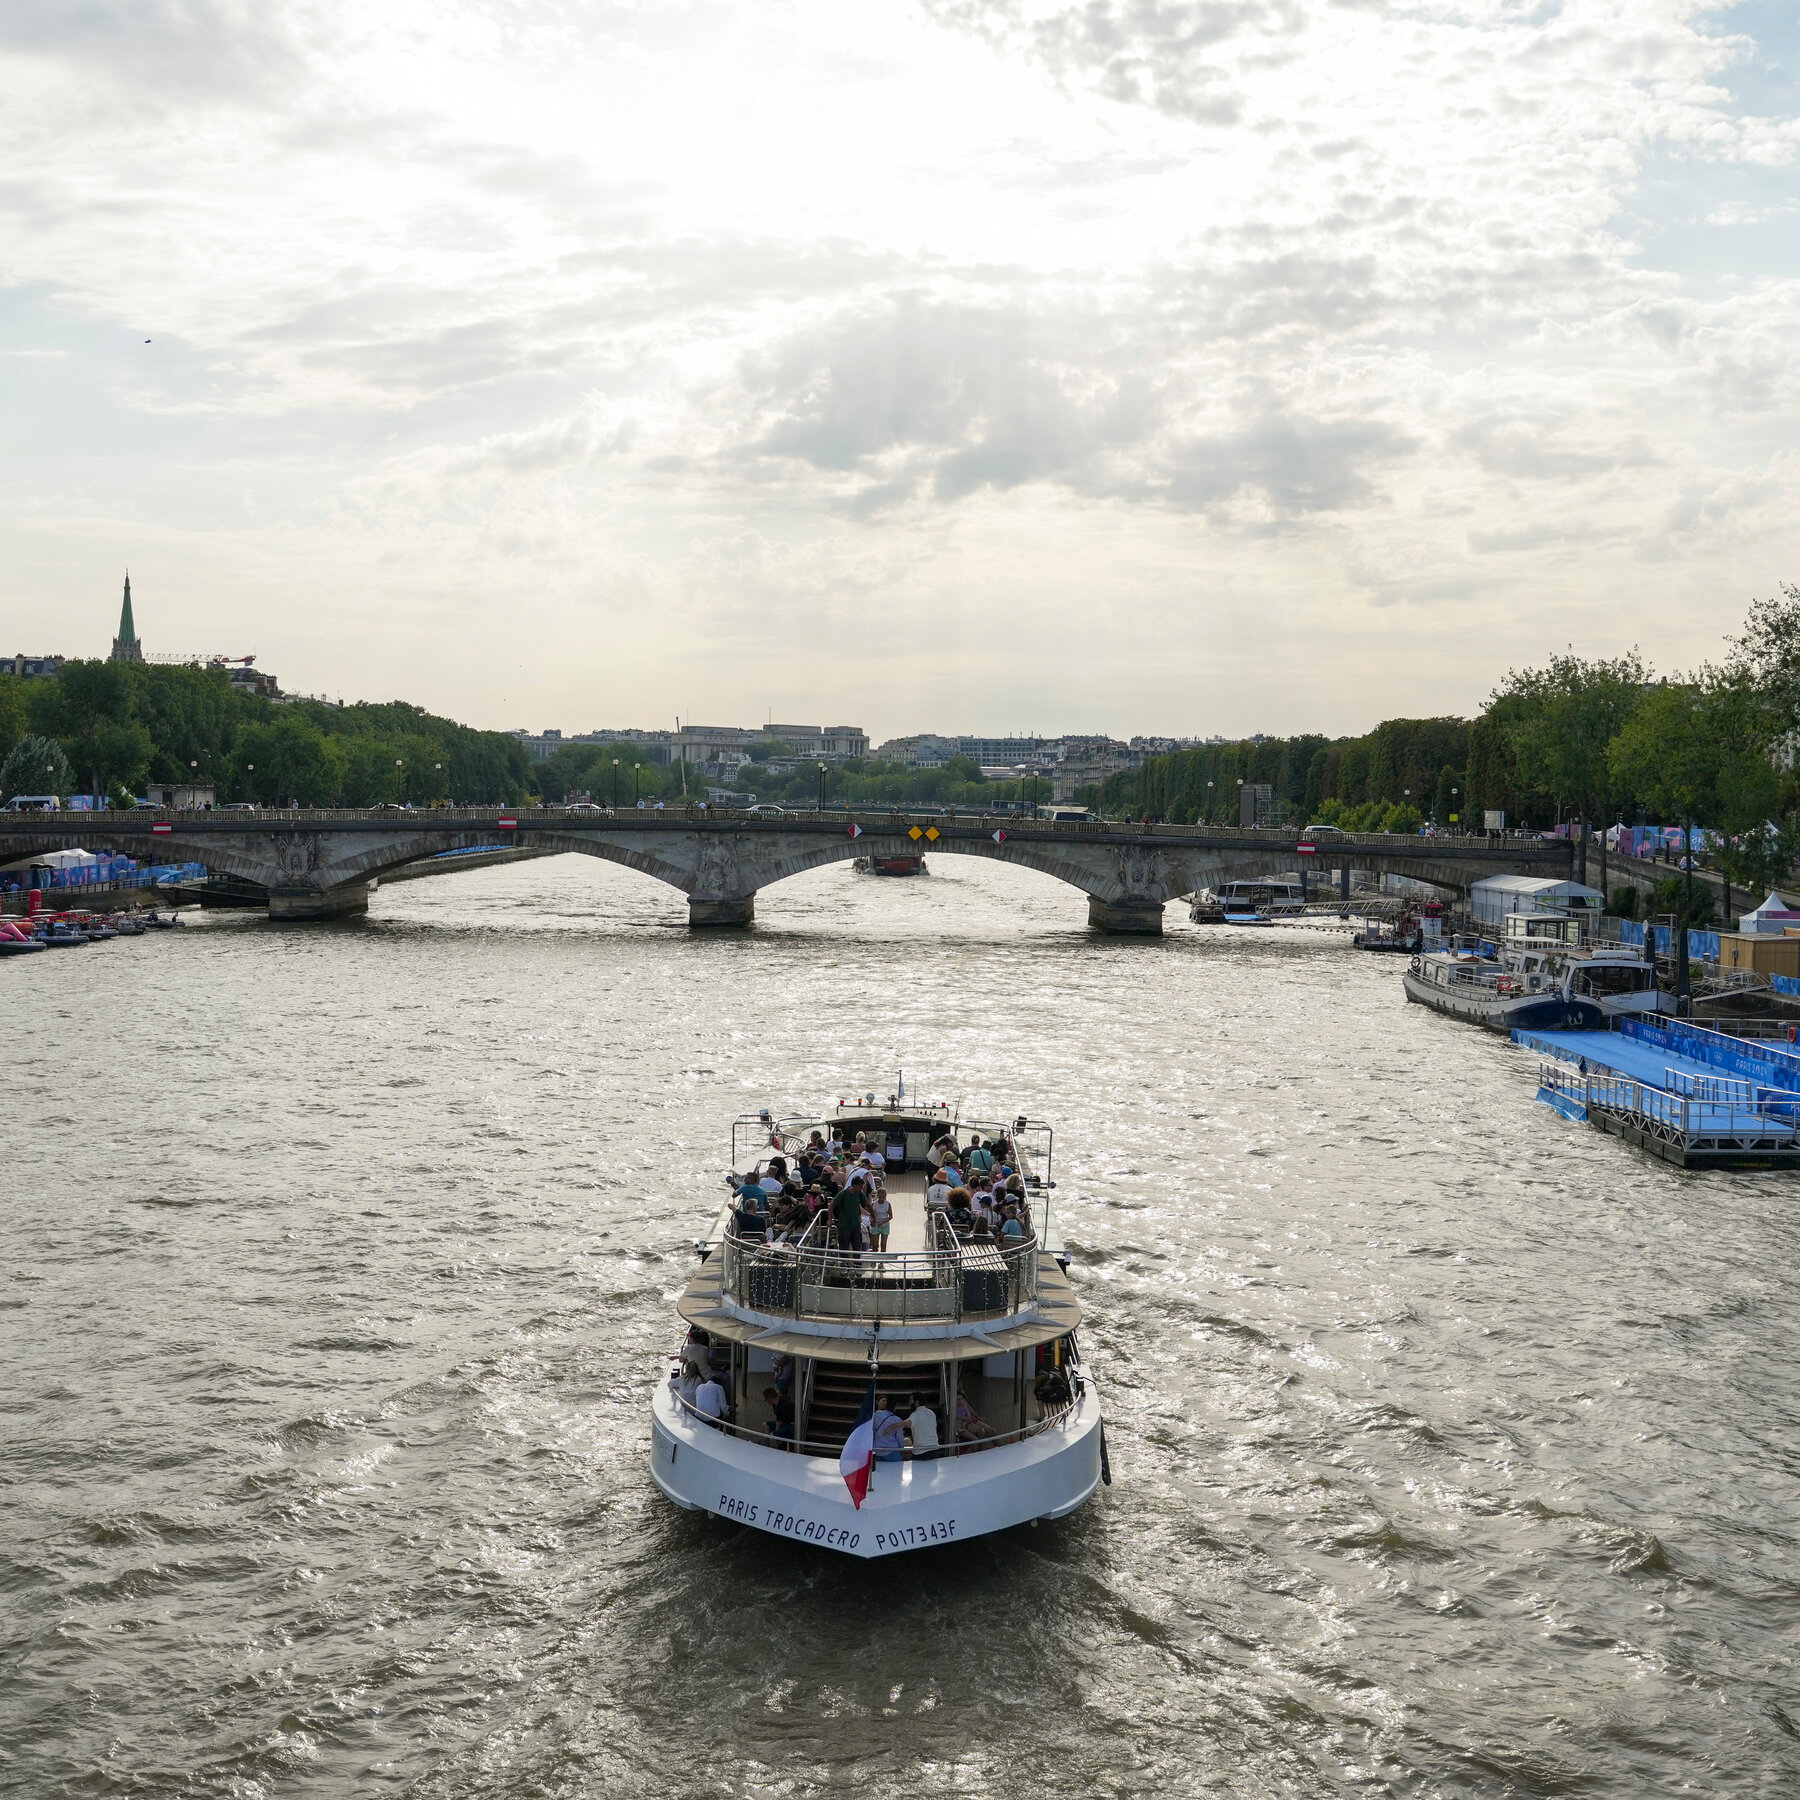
[126, 647]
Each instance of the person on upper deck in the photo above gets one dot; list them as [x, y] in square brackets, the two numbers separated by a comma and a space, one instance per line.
[712, 1398]
[1012, 1228]
[940, 1148]
[881, 1218]
[846, 1211]
[961, 1215]
[937, 1195]
[981, 1160]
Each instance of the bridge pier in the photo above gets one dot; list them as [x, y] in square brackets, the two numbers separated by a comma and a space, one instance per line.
[305, 904]
[1125, 918]
[703, 913]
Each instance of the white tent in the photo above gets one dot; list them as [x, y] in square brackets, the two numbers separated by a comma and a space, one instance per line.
[1496, 896]
[66, 859]
[1774, 916]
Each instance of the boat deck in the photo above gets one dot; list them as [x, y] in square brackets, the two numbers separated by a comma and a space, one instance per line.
[1681, 1109]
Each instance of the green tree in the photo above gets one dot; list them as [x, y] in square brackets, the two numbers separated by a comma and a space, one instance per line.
[1568, 716]
[1446, 802]
[1665, 753]
[15, 715]
[35, 765]
[286, 759]
[95, 717]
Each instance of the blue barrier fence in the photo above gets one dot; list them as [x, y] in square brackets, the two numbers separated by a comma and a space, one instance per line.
[1768, 1065]
[113, 872]
[1703, 946]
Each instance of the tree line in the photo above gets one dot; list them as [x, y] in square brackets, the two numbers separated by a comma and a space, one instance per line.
[601, 771]
[112, 728]
[1589, 741]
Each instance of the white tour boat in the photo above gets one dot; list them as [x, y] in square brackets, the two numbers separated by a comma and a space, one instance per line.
[969, 1338]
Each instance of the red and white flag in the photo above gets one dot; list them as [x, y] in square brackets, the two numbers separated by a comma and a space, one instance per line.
[858, 1456]
[856, 831]
[999, 837]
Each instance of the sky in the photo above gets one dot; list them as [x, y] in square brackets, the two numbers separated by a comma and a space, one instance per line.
[1143, 366]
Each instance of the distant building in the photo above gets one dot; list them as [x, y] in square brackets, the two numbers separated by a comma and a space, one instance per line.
[843, 743]
[126, 647]
[540, 745]
[181, 796]
[926, 750]
[1084, 762]
[30, 668]
[704, 743]
[248, 680]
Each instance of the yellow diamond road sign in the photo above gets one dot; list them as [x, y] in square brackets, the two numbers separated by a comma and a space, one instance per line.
[931, 831]
[915, 834]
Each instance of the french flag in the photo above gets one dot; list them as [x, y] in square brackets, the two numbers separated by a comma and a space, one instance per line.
[858, 1457]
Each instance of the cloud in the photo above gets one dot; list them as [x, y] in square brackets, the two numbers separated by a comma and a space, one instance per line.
[1157, 53]
[167, 49]
[1184, 303]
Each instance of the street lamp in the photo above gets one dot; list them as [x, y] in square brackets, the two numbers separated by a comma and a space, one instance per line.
[615, 761]
[635, 768]
[821, 787]
[1209, 798]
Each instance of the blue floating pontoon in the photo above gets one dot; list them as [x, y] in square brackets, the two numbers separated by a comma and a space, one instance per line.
[1693, 1097]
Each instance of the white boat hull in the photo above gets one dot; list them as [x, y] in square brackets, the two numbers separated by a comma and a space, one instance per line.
[910, 1505]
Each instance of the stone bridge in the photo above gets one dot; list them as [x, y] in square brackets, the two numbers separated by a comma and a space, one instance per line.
[318, 865]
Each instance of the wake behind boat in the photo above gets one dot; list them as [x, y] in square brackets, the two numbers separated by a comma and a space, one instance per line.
[918, 1386]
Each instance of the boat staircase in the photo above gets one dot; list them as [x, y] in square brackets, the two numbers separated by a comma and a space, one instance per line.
[834, 1396]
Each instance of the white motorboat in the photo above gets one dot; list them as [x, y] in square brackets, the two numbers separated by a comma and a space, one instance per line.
[978, 1333]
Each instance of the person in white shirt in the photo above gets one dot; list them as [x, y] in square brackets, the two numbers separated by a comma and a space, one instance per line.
[771, 1182]
[880, 1213]
[937, 1196]
[712, 1399]
[921, 1423]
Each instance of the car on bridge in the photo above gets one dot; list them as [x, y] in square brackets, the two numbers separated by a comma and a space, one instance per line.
[766, 806]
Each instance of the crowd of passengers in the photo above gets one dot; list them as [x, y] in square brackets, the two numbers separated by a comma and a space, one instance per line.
[902, 1421]
[977, 1188]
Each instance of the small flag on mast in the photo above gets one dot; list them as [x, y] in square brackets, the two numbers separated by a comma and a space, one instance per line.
[858, 1457]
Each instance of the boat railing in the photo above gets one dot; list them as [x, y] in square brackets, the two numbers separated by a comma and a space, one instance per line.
[1052, 1418]
[1694, 1106]
[951, 1281]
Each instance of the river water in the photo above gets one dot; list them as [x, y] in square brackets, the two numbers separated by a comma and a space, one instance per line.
[1454, 1446]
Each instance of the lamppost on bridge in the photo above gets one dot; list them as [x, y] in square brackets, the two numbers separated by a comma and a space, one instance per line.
[821, 787]
[615, 784]
[635, 769]
[1209, 800]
